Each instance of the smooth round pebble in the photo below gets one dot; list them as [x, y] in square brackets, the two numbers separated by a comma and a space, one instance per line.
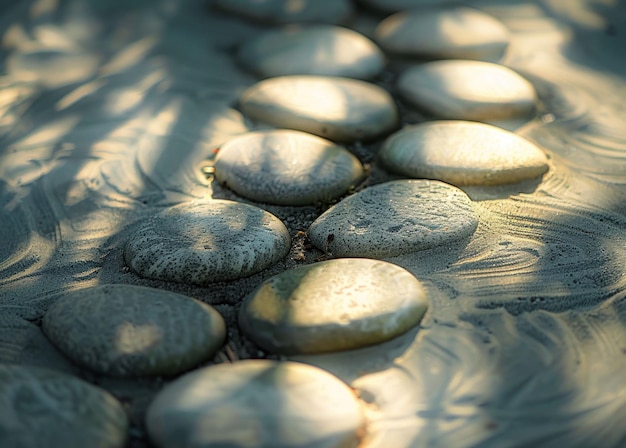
[337, 108]
[290, 11]
[395, 218]
[325, 50]
[45, 408]
[207, 241]
[286, 167]
[467, 90]
[444, 33]
[132, 331]
[256, 403]
[333, 305]
[462, 153]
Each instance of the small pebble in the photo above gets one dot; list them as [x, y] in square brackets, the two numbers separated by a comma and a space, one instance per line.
[462, 153]
[45, 408]
[467, 90]
[336, 108]
[290, 11]
[315, 50]
[286, 167]
[132, 331]
[444, 33]
[395, 218]
[333, 305]
[256, 403]
[206, 241]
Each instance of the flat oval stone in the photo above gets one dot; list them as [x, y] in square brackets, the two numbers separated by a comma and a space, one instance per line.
[286, 167]
[395, 218]
[256, 403]
[444, 33]
[42, 407]
[467, 90]
[462, 153]
[290, 11]
[332, 107]
[333, 305]
[131, 331]
[316, 50]
[207, 241]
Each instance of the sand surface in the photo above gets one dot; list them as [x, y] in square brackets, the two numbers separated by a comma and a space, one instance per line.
[110, 110]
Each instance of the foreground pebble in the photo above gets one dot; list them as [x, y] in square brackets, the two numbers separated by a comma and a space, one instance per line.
[315, 50]
[207, 241]
[286, 167]
[333, 305]
[131, 331]
[291, 11]
[44, 408]
[463, 153]
[395, 218]
[467, 90]
[332, 107]
[444, 33]
[256, 403]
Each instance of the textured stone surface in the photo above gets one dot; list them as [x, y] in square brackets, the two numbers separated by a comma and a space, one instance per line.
[395, 218]
[333, 305]
[332, 107]
[124, 330]
[314, 50]
[44, 408]
[290, 11]
[467, 90]
[256, 403]
[450, 33]
[207, 241]
[463, 153]
[286, 167]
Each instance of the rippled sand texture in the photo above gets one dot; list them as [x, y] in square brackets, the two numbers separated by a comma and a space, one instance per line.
[109, 110]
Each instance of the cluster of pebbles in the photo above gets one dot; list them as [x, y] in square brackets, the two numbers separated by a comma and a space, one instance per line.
[319, 95]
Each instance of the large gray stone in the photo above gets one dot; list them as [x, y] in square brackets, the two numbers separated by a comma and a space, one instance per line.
[124, 330]
[315, 50]
[44, 408]
[333, 305]
[444, 33]
[332, 107]
[256, 403]
[207, 241]
[467, 90]
[286, 167]
[463, 153]
[395, 218]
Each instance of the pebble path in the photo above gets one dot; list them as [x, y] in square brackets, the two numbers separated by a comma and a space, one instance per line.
[312, 150]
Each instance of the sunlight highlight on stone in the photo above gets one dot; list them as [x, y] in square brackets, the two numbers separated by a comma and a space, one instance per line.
[132, 338]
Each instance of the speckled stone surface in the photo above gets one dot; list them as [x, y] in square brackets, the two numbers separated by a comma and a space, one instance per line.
[467, 90]
[312, 50]
[207, 241]
[447, 32]
[291, 11]
[332, 107]
[395, 218]
[124, 330]
[256, 403]
[44, 408]
[333, 305]
[286, 167]
[463, 153]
